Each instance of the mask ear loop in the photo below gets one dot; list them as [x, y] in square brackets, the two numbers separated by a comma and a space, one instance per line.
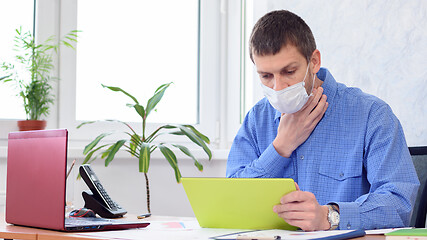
[305, 76]
[312, 86]
[314, 75]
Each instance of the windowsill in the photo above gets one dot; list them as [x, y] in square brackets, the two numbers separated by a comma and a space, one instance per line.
[217, 154]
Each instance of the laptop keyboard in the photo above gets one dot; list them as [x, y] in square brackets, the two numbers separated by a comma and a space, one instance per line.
[89, 221]
[95, 223]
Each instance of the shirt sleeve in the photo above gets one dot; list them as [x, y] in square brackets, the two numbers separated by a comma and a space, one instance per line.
[391, 174]
[245, 160]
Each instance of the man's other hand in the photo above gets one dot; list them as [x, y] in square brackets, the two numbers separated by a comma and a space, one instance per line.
[302, 210]
[295, 128]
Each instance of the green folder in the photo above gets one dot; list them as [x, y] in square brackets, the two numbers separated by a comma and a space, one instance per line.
[408, 232]
[238, 203]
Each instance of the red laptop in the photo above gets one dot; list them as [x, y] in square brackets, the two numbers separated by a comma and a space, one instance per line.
[36, 180]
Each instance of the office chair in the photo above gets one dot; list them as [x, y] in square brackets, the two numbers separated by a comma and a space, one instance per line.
[419, 158]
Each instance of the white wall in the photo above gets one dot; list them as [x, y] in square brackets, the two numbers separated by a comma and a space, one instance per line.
[378, 46]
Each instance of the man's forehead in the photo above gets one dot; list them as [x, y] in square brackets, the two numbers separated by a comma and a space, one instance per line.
[288, 56]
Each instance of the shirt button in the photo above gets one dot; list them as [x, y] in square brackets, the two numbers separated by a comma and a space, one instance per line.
[341, 174]
[302, 157]
[348, 226]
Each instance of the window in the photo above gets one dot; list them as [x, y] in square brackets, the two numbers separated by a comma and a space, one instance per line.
[19, 13]
[131, 52]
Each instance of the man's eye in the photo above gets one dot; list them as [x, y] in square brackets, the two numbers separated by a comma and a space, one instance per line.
[290, 72]
[266, 76]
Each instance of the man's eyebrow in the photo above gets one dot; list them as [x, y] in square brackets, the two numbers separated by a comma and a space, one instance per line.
[261, 72]
[290, 65]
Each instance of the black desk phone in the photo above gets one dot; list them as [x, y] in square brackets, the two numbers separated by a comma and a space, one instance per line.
[97, 198]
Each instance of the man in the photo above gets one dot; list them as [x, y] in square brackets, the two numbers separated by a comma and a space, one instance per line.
[344, 148]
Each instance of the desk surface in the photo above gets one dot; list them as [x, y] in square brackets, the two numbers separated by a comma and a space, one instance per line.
[161, 227]
[9, 231]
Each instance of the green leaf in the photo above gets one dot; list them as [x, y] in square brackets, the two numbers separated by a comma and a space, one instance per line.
[124, 123]
[49, 39]
[108, 120]
[67, 44]
[93, 159]
[193, 137]
[89, 122]
[188, 153]
[139, 109]
[134, 138]
[155, 99]
[179, 133]
[106, 152]
[70, 38]
[203, 137]
[91, 145]
[89, 155]
[154, 134]
[117, 89]
[114, 150]
[144, 157]
[48, 47]
[134, 142]
[1, 78]
[170, 156]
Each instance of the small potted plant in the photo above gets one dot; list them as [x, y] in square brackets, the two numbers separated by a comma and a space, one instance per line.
[141, 145]
[31, 74]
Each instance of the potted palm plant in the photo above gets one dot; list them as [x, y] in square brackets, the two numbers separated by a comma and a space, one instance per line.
[141, 145]
[31, 74]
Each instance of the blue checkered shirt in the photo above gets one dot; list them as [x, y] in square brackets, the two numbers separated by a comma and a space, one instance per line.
[356, 157]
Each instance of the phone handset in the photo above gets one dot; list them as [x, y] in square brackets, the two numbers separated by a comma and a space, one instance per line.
[98, 199]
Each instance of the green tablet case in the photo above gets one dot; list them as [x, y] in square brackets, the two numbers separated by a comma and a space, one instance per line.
[408, 232]
[238, 203]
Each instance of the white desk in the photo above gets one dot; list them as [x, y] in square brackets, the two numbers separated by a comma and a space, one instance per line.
[161, 227]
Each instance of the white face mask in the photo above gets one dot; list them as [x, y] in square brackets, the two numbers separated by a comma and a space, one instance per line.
[290, 99]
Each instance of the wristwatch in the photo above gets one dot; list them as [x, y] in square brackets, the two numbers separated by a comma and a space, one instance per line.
[333, 216]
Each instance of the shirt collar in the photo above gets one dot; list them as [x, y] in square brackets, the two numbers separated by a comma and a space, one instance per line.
[329, 86]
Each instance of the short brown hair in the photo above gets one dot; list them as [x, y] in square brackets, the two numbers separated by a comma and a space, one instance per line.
[277, 29]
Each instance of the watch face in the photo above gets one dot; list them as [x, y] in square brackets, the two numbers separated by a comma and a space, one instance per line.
[335, 218]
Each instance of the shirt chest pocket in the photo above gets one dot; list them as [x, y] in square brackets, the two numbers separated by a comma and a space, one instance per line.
[342, 170]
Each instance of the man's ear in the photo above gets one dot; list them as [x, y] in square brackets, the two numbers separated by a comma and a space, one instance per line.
[316, 60]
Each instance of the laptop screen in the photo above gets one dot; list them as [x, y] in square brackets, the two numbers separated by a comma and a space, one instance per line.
[36, 172]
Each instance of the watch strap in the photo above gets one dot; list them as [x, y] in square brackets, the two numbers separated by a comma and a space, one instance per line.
[334, 206]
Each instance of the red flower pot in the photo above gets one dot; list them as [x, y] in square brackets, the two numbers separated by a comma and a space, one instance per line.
[27, 125]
